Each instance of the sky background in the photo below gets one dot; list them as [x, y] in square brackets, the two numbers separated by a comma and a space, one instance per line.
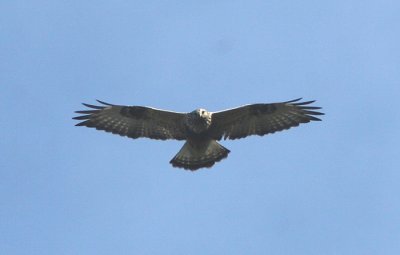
[329, 187]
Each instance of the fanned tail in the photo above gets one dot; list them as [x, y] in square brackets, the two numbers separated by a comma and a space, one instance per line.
[197, 154]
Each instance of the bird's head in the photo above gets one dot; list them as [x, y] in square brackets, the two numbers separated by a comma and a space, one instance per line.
[199, 120]
[201, 112]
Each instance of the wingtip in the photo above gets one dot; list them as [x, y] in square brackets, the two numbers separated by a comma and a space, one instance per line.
[79, 124]
[306, 102]
[294, 100]
[314, 118]
[93, 106]
[102, 102]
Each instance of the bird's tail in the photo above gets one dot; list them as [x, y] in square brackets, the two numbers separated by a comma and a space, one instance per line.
[197, 154]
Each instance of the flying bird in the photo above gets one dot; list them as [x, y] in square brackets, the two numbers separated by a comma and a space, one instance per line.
[200, 128]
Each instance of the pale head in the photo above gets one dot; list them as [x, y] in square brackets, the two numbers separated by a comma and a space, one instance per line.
[198, 120]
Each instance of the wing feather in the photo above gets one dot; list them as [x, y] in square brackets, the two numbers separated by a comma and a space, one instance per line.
[262, 119]
[134, 121]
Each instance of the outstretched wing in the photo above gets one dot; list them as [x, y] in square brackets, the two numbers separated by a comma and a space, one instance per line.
[134, 121]
[261, 119]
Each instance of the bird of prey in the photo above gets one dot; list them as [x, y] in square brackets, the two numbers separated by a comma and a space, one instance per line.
[200, 128]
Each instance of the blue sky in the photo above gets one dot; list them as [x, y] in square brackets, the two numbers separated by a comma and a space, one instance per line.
[330, 187]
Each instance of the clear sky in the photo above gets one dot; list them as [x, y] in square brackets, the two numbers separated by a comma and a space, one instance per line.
[330, 187]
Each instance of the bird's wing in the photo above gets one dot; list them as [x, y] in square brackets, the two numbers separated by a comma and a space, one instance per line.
[134, 121]
[261, 119]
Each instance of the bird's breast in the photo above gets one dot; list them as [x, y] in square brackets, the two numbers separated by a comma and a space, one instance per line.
[197, 124]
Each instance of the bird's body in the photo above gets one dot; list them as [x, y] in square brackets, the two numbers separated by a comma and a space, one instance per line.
[201, 129]
[200, 149]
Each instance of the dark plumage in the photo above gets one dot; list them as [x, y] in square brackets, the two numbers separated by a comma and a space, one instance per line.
[199, 128]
